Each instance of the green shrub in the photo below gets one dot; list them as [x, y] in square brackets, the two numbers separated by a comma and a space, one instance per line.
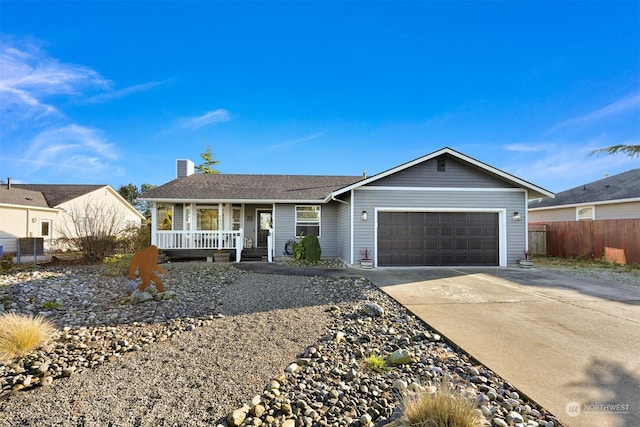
[298, 249]
[21, 334]
[6, 263]
[118, 264]
[51, 305]
[312, 250]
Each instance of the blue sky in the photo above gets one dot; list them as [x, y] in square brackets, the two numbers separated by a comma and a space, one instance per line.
[115, 92]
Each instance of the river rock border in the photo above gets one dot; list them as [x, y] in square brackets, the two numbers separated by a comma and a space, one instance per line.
[327, 385]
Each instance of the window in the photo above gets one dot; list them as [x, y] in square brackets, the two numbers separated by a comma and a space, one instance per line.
[207, 219]
[236, 217]
[586, 212]
[45, 228]
[308, 220]
[165, 216]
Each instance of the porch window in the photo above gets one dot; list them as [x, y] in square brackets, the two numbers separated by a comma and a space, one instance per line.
[165, 216]
[308, 220]
[208, 219]
[584, 213]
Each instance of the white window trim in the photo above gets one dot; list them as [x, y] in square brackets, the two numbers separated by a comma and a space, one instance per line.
[593, 213]
[295, 214]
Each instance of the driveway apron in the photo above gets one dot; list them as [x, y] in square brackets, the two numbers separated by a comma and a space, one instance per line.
[570, 344]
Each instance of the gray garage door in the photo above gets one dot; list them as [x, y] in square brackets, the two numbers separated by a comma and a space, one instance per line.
[437, 238]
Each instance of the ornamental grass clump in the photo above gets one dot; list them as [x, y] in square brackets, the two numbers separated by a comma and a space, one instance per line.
[376, 363]
[20, 334]
[445, 407]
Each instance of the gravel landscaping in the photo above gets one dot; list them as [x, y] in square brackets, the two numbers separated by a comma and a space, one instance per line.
[230, 348]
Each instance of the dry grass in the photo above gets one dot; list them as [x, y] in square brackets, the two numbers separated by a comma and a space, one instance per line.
[444, 408]
[21, 334]
[549, 261]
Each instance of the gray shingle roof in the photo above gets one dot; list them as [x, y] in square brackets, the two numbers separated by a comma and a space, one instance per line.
[625, 185]
[22, 197]
[250, 187]
[56, 194]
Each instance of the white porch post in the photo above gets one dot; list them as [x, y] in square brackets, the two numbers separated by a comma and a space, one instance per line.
[154, 224]
[239, 245]
[270, 246]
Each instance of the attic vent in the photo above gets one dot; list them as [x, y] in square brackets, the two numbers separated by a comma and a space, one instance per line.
[184, 168]
[441, 164]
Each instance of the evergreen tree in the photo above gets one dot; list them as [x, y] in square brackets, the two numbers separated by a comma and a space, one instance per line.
[208, 162]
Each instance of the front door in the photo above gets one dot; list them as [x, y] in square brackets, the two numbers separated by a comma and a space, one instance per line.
[265, 223]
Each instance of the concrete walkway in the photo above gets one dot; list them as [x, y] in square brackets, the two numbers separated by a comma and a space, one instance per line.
[572, 345]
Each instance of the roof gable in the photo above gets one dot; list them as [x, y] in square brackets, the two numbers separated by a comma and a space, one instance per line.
[495, 175]
[623, 186]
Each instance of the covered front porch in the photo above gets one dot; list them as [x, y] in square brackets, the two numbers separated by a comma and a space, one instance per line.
[196, 230]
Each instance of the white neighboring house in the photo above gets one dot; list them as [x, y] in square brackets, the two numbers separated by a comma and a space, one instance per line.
[50, 210]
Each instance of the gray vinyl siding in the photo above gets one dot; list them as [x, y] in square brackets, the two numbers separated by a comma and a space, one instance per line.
[285, 228]
[178, 217]
[456, 174]
[343, 238]
[369, 200]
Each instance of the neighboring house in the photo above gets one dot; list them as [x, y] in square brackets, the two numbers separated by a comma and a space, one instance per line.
[23, 213]
[613, 197]
[444, 208]
[51, 211]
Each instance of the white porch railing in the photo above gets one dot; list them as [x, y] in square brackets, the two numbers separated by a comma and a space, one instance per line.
[201, 239]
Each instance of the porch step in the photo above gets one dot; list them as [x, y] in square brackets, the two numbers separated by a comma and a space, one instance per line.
[254, 254]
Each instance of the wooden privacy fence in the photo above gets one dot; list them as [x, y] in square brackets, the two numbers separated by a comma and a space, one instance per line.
[616, 240]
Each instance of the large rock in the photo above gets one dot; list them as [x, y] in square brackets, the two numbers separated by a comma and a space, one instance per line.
[400, 357]
[138, 297]
[237, 417]
[372, 309]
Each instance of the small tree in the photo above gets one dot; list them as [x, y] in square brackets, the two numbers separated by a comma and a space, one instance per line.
[92, 228]
[208, 162]
[131, 193]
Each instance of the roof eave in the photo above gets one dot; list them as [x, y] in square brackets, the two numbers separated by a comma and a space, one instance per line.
[575, 205]
[237, 201]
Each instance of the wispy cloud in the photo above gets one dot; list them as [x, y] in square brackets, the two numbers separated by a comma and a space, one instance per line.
[143, 87]
[211, 117]
[29, 76]
[621, 106]
[70, 147]
[559, 166]
[524, 147]
[291, 143]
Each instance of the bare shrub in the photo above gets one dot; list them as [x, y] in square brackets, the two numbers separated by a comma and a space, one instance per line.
[93, 229]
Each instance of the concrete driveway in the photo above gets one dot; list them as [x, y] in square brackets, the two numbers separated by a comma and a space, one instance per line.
[570, 344]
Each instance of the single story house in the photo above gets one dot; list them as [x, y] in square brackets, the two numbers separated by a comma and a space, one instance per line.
[49, 211]
[613, 197]
[444, 208]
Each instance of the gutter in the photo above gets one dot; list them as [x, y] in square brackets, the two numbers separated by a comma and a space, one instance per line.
[338, 200]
